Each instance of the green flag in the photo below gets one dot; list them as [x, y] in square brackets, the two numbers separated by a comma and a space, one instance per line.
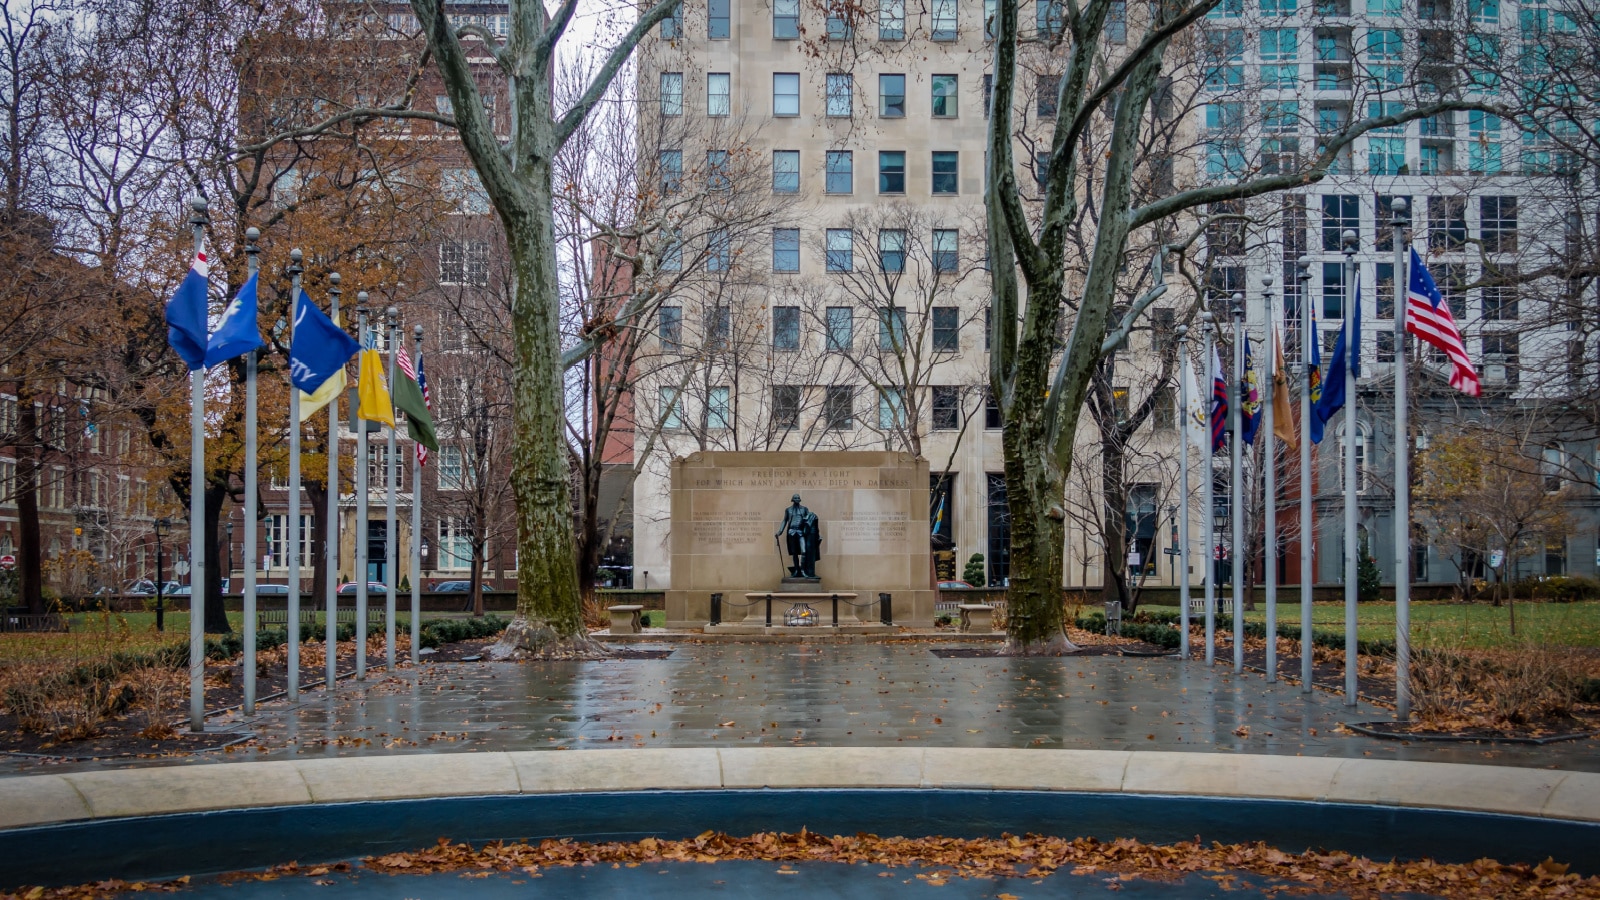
[408, 399]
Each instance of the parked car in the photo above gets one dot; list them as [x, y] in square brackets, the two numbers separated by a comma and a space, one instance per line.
[954, 586]
[457, 587]
[272, 590]
[373, 587]
[177, 590]
[139, 587]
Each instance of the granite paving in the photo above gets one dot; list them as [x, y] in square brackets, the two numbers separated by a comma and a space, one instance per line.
[833, 695]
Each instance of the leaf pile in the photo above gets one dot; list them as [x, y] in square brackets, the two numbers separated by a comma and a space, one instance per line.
[1029, 856]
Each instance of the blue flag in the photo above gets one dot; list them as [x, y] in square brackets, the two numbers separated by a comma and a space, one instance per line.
[319, 349]
[237, 332]
[1346, 352]
[186, 315]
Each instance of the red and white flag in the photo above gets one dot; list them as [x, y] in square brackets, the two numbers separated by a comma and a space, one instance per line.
[1428, 317]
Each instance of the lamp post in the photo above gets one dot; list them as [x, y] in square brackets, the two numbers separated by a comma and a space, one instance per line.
[426, 546]
[160, 575]
[228, 572]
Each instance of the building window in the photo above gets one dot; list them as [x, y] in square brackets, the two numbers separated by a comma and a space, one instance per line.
[1164, 415]
[840, 171]
[892, 250]
[838, 21]
[718, 415]
[672, 93]
[892, 96]
[1386, 346]
[786, 406]
[1339, 214]
[277, 535]
[719, 326]
[717, 25]
[718, 90]
[464, 263]
[1386, 156]
[455, 544]
[1500, 298]
[892, 20]
[1332, 291]
[946, 408]
[671, 409]
[450, 468]
[839, 96]
[1047, 89]
[672, 252]
[785, 171]
[785, 249]
[671, 171]
[1552, 463]
[1502, 359]
[841, 329]
[717, 170]
[991, 24]
[786, 94]
[992, 418]
[946, 329]
[786, 328]
[1498, 223]
[1483, 146]
[1447, 223]
[1280, 49]
[785, 20]
[1360, 457]
[1225, 232]
[719, 250]
[1223, 51]
[891, 408]
[946, 249]
[988, 94]
[1049, 17]
[1385, 290]
[944, 20]
[946, 168]
[838, 408]
[891, 172]
[946, 96]
[840, 250]
[669, 328]
[892, 328]
[671, 26]
[464, 189]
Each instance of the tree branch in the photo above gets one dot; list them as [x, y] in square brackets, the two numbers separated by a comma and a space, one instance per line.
[608, 71]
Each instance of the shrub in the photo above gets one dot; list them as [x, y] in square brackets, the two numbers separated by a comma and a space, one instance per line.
[974, 574]
[1560, 589]
[445, 631]
[1369, 581]
[1506, 687]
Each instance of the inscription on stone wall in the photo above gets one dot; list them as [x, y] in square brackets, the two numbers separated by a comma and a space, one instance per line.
[732, 531]
[797, 479]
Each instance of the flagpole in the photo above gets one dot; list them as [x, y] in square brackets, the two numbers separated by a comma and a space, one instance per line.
[1402, 472]
[1351, 550]
[416, 526]
[197, 511]
[1183, 490]
[1308, 333]
[1236, 485]
[360, 575]
[251, 467]
[292, 552]
[1209, 515]
[331, 530]
[391, 544]
[1269, 478]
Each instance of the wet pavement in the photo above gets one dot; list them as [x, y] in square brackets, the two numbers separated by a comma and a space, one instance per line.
[850, 695]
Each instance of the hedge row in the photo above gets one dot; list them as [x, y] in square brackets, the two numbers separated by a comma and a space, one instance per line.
[1159, 627]
[435, 632]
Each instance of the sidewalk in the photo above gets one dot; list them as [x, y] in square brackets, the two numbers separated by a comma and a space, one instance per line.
[836, 695]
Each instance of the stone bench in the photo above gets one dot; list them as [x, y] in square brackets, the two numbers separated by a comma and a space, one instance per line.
[977, 618]
[626, 618]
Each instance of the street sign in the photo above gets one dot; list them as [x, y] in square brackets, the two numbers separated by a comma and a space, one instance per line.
[1173, 551]
[8, 562]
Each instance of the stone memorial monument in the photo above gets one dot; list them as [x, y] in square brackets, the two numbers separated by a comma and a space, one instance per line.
[869, 509]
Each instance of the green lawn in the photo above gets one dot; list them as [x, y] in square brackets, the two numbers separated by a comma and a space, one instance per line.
[1475, 624]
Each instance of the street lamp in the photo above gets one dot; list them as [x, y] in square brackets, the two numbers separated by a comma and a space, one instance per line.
[424, 552]
[228, 576]
[160, 575]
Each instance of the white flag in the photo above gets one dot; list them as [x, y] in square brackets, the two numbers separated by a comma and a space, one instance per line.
[1194, 418]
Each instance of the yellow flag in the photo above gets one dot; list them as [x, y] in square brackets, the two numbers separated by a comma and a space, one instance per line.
[311, 404]
[375, 403]
[1282, 418]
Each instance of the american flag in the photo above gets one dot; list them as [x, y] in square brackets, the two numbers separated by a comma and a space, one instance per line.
[403, 360]
[1428, 317]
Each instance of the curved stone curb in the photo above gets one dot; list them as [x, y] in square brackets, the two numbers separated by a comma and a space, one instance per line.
[31, 800]
[1373, 729]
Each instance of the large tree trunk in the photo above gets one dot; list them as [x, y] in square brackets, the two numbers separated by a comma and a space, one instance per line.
[317, 498]
[216, 617]
[30, 559]
[549, 618]
[1114, 499]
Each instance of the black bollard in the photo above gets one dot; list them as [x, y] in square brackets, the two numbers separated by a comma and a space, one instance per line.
[836, 610]
[769, 610]
[886, 608]
[716, 608]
